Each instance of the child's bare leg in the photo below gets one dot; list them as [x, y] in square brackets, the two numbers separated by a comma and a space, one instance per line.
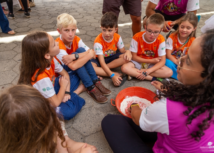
[117, 62]
[99, 70]
[163, 72]
[80, 89]
[129, 69]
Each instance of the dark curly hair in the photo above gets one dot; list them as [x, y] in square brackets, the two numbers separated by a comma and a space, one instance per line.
[200, 96]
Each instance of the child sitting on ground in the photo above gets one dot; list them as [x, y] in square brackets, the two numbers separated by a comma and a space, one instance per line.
[109, 49]
[30, 125]
[179, 41]
[75, 57]
[148, 50]
[38, 68]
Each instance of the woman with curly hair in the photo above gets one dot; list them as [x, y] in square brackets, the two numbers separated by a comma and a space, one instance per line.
[182, 119]
[29, 124]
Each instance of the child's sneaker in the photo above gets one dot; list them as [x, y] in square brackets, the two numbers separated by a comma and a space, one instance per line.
[97, 95]
[103, 89]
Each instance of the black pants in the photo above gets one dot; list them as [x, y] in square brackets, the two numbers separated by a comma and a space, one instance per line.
[10, 5]
[124, 136]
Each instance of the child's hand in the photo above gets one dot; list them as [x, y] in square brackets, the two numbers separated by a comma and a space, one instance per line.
[66, 59]
[128, 55]
[116, 80]
[66, 98]
[156, 60]
[92, 53]
[177, 61]
[63, 82]
[140, 76]
[157, 85]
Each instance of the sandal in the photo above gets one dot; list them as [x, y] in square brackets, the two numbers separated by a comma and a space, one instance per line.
[11, 32]
[124, 77]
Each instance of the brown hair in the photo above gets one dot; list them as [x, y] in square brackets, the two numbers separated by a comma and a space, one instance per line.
[156, 18]
[109, 20]
[28, 122]
[34, 48]
[192, 18]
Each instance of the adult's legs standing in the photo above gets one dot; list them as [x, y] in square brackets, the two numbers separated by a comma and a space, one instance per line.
[4, 23]
[124, 136]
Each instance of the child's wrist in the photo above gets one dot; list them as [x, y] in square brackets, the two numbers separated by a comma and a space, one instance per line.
[112, 75]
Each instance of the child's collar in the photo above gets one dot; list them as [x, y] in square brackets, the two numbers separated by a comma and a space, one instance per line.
[69, 47]
[145, 39]
[106, 40]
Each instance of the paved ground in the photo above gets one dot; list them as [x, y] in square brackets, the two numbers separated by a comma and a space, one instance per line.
[86, 126]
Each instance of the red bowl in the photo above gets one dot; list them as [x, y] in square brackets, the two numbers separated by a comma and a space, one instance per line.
[133, 91]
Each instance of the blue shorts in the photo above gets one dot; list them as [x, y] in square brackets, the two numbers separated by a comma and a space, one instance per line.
[107, 59]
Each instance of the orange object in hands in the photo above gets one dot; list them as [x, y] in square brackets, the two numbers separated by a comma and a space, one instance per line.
[169, 23]
[133, 91]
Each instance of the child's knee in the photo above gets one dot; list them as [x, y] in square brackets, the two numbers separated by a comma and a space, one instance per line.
[80, 50]
[124, 68]
[168, 72]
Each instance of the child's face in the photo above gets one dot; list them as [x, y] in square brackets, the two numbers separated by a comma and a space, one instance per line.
[53, 48]
[108, 33]
[152, 32]
[185, 29]
[68, 33]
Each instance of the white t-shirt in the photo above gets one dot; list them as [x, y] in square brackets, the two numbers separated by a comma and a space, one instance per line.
[154, 118]
[45, 85]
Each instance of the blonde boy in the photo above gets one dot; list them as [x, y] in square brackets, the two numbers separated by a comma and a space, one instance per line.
[75, 57]
[148, 49]
[109, 49]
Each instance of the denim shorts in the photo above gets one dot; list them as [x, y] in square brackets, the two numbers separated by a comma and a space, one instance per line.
[107, 59]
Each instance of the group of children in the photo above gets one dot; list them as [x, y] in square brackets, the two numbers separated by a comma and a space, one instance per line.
[56, 67]
[148, 58]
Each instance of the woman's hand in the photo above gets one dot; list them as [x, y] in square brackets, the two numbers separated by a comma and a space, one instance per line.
[157, 85]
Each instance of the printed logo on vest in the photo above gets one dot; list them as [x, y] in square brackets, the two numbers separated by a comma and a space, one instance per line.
[208, 148]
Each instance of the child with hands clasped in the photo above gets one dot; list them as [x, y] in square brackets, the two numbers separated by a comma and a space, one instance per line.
[110, 50]
[29, 124]
[38, 68]
[179, 41]
[75, 57]
[148, 52]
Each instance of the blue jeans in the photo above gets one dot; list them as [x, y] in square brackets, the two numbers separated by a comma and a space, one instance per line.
[86, 72]
[173, 67]
[4, 23]
[70, 108]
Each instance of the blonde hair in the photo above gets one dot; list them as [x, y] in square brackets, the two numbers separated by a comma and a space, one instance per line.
[156, 18]
[64, 20]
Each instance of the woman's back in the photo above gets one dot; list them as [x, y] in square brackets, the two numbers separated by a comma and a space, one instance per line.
[179, 138]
